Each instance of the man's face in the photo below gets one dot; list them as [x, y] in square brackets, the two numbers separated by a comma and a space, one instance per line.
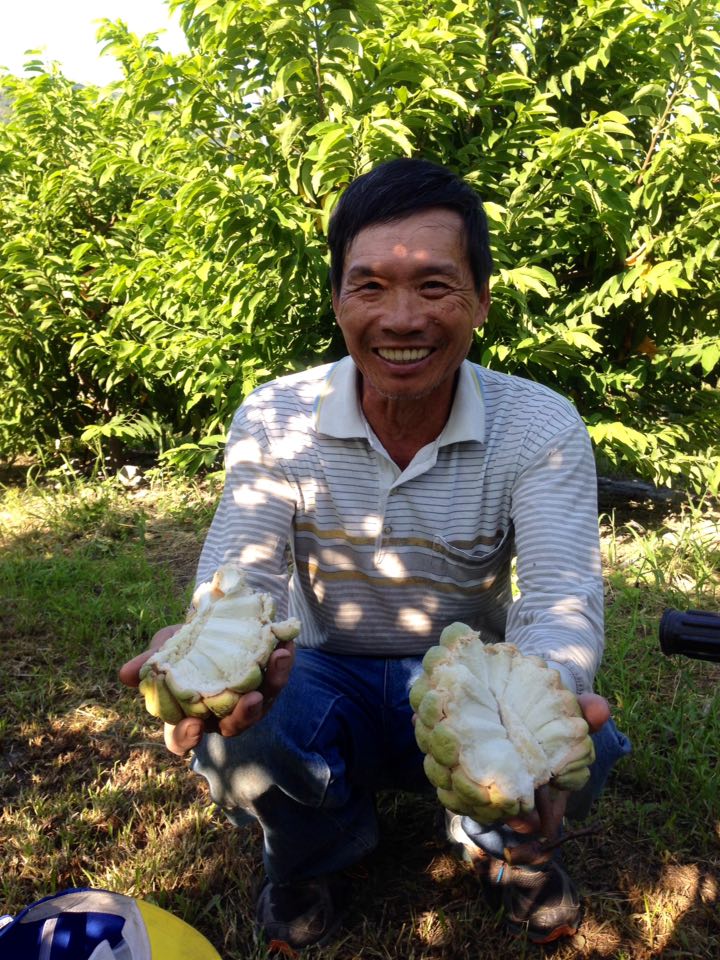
[408, 305]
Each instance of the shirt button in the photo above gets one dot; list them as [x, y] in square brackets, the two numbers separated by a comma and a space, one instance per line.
[387, 528]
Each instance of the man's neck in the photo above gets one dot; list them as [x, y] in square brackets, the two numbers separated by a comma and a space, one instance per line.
[405, 425]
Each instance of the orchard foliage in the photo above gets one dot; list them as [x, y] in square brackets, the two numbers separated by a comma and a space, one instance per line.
[163, 240]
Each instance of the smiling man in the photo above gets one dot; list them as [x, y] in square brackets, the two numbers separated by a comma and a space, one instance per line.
[407, 305]
[380, 499]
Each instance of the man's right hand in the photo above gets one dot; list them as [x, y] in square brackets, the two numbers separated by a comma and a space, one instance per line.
[251, 707]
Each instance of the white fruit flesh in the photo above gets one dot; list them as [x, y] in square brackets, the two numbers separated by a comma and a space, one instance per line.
[496, 725]
[218, 654]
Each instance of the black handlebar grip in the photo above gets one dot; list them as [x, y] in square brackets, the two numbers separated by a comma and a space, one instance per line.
[692, 633]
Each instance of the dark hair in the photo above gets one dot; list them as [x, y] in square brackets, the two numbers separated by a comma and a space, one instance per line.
[398, 188]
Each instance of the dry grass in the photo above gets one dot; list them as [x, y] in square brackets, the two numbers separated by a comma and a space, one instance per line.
[91, 797]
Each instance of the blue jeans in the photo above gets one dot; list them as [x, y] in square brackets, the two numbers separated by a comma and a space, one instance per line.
[308, 771]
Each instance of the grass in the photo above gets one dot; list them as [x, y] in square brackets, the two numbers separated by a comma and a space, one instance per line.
[91, 797]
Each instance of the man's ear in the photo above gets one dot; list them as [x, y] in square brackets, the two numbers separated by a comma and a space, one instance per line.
[335, 301]
[483, 306]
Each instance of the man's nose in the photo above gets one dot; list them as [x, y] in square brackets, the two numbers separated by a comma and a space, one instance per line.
[403, 312]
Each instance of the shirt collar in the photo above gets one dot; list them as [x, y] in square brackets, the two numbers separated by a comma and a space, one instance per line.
[338, 412]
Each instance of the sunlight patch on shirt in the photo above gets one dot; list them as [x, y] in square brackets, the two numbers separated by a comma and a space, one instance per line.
[372, 525]
[263, 491]
[350, 614]
[413, 620]
[244, 451]
[257, 553]
[392, 566]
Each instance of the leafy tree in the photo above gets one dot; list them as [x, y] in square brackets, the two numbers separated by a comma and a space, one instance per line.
[166, 238]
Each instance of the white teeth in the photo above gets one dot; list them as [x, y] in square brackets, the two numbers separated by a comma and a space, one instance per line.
[403, 356]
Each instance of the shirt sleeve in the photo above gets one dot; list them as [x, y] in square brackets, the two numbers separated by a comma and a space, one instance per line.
[253, 522]
[559, 613]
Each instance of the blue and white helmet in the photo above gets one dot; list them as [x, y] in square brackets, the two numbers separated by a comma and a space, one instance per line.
[86, 924]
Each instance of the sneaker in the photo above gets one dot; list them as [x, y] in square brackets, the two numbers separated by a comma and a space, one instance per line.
[291, 916]
[539, 901]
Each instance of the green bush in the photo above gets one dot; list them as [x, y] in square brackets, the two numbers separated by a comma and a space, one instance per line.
[164, 239]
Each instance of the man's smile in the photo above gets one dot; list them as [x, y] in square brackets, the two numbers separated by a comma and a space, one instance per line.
[404, 355]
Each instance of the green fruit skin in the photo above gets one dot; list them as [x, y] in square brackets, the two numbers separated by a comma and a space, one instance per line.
[431, 708]
[418, 691]
[438, 775]
[572, 779]
[221, 704]
[159, 701]
[454, 632]
[171, 706]
[451, 801]
[422, 735]
[486, 815]
[509, 808]
[197, 709]
[473, 793]
[444, 745]
[433, 658]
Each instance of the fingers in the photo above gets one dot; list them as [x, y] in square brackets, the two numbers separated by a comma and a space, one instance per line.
[550, 805]
[248, 710]
[184, 736]
[278, 669]
[547, 816]
[252, 706]
[596, 710]
[129, 673]
[545, 822]
[528, 823]
[163, 634]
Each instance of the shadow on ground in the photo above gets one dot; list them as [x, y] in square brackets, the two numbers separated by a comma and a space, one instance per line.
[91, 797]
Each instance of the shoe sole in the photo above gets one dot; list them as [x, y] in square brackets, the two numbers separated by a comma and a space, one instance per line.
[281, 948]
[278, 948]
[557, 933]
[542, 938]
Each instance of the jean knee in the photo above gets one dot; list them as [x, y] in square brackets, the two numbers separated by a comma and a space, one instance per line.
[242, 770]
[610, 746]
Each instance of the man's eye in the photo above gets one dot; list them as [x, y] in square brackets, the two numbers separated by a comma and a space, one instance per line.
[434, 286]
[371, 285]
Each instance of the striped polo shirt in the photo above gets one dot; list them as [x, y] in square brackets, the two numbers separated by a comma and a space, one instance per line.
[375, 560]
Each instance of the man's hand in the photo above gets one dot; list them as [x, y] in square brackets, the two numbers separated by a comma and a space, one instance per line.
[546, 818]
[187, 734]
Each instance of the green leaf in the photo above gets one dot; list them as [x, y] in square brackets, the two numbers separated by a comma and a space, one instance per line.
[343, 87]
[202, 5]
[535, 279]
[287, 71]
[449, 96]
[396, 132]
